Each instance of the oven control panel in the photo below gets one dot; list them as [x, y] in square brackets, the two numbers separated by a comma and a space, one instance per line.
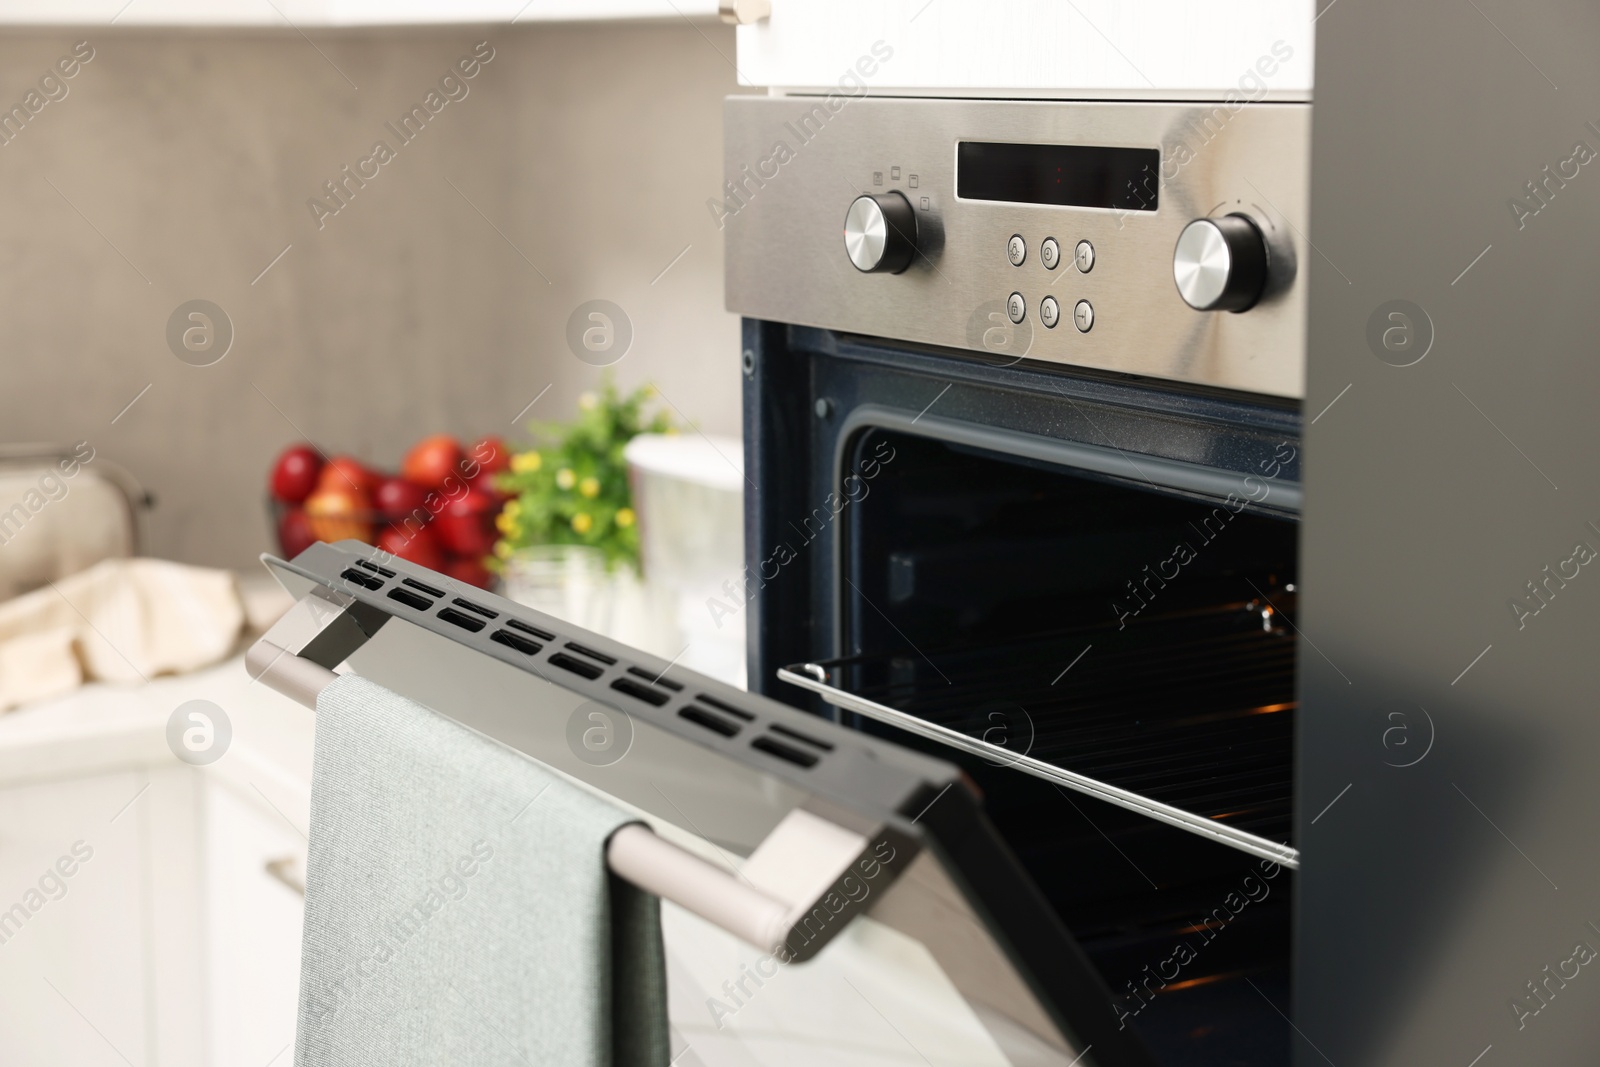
[1156, 239]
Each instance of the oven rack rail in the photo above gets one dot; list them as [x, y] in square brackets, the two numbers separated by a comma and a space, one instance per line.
[815, 677]
[1153, 740]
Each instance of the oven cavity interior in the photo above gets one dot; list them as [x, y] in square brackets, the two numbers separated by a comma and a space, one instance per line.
[1111, 661]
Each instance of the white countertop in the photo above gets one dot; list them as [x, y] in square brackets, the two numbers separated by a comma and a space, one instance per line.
[102, 727]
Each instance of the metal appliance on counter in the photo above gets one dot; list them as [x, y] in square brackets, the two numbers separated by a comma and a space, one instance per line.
[976, 533]
[1027, 435]
[1215, 488]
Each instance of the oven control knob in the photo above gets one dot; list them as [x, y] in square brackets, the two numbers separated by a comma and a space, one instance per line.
[1220, 264]
[880, 233]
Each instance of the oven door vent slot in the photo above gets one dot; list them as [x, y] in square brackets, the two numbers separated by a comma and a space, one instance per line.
[576, 666]
[476, 609]
[430, 590]
[598, 657]
[516, 641]
[410, 599]
[639, 691]
[715, 723]
[655, 679]
[773, 746]
[352, 575]
[724, 706]
[796, 735]
[518, 624]
[461, 619]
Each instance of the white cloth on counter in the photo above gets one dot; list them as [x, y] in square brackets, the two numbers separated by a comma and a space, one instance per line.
[122, 620]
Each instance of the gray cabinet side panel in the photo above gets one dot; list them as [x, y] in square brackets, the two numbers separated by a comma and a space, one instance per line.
[1449, 735]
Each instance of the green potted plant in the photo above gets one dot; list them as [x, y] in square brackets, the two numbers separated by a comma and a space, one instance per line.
[569, 538]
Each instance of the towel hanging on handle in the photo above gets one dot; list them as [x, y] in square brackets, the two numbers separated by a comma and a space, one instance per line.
[766, 913]
[459, 908]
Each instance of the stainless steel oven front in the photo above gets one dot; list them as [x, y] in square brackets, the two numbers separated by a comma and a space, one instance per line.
[1022, 407]
[1156, 239]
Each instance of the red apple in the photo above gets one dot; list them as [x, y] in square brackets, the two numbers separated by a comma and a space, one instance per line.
[399, 499]
[491, 457]
[432, 460]
[469, 569]
[294, 533]
[421, 547]
[294, 475]
[466, 525]
[344, 472]
[335, 512]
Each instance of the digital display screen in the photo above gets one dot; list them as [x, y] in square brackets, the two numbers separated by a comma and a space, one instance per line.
[1059, 175]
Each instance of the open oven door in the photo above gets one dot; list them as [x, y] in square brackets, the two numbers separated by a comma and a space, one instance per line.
[905, 929]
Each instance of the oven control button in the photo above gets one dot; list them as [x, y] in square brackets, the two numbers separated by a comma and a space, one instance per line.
[1050, 254]
[1083, 316]
[1016, 308]
[1016, 250]
[1049, 312]
[880, 233]
[1083, 257]
[1220, 264]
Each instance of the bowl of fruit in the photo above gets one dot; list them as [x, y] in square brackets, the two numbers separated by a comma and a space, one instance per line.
[437, 511]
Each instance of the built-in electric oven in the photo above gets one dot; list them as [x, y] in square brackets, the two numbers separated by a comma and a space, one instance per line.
[1022, 418]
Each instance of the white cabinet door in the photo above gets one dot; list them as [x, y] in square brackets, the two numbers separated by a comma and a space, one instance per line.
[1152, 48]
[96, 925]
[254, 920]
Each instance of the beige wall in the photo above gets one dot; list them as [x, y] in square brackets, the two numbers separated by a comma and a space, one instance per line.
[191, 156]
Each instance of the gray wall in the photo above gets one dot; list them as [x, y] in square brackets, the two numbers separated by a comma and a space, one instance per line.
[188, 159]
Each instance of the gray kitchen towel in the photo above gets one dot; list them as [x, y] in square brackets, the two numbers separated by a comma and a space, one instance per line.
[458, 905]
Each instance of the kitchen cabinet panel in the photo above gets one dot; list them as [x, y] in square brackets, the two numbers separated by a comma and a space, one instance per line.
[1447, 794]
[285, 14]
[1159, 49]
[75, 960]
[253, 917]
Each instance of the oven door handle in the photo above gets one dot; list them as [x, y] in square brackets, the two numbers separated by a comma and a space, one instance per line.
[814, 677]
